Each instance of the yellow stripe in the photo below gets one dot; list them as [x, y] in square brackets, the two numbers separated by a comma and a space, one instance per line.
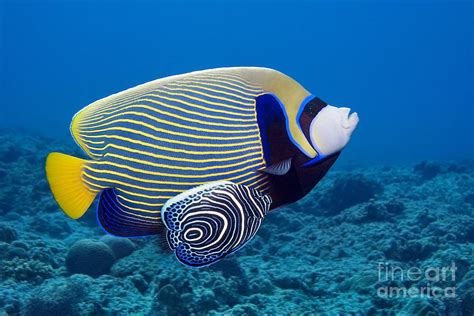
[138, 209]
[232, 78]
[102, 105]
[145, 203]
[170, 157]
[216, 83]
[129, 185]
[173, 167]
[96, 124]
[208, 87]
[173, 158]
[164, 174]
[171, 149]
[93, 184]
[91, 131]
[103, 180]
[261, 185]
[108, 163]
[183, 190]
[118, 99]
[133, 219]
[92, 118]
[172, 141]
[198, 99]
[92, 142]
[147, 196]
[244, 88]
[209, 102]
[247, 104]
[121, 100]
[95, 114]
[138, 223]
[258, 175]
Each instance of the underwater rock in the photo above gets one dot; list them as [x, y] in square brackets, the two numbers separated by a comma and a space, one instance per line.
[16, 252]
[374, 211]
[59, 297]
[20, 244]
[168, 295]
[52, 225]
[394, 207]
[140, 283]
[243, 309]
[89, 257]
[262, 286]
[290, 282]
[409, 250]
[466, 293]
[424, 218]
[207, 301]
[418, 307]
[363, 282]
[168, 301]
[227, 291]
[4, 248]
[469, 232]
[19, 269]
[348, 191]
[412, 224]
[7, 234]
[11, 154]
[427, 170]
[229, 267]
[121, 247]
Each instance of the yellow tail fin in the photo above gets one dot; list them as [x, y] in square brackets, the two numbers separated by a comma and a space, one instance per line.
[64, 177]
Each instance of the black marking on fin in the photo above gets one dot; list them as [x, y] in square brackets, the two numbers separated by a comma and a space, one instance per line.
[117, 220]
[280, 168]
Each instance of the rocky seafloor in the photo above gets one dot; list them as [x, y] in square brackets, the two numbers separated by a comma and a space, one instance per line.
[367, 240]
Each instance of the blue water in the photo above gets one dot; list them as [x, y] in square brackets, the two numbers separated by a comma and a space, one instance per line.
[401, 195]
[405, 66]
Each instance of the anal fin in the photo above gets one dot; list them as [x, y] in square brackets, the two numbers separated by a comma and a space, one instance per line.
[119, 220]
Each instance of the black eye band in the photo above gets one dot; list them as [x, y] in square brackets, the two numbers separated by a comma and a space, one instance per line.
[314, 106]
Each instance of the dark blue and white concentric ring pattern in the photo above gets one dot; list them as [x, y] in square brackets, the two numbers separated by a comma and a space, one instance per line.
[212, 221]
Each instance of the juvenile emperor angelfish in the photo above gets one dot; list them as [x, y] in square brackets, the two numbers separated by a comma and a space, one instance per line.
[202, 157]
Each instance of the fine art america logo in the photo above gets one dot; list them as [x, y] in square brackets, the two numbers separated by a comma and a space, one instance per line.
[430, 282]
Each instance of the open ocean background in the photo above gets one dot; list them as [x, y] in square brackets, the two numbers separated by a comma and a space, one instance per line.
[402, 192]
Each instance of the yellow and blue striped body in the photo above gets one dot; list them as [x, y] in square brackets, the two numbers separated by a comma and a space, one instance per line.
[154, 141]
[152, 145]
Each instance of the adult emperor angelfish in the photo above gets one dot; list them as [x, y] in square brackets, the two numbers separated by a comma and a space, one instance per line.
[208, 154]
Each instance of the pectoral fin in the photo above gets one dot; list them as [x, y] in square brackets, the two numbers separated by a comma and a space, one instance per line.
[211, 221]
[280, 168]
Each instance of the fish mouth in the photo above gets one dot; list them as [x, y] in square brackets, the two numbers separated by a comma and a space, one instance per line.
[349, 120]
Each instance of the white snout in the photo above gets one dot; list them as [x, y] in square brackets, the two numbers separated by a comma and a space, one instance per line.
[332, 128]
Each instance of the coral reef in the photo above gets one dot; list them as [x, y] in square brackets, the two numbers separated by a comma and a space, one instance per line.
[357, 188]
[121, 247]
[90, 257]
[321, 255]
